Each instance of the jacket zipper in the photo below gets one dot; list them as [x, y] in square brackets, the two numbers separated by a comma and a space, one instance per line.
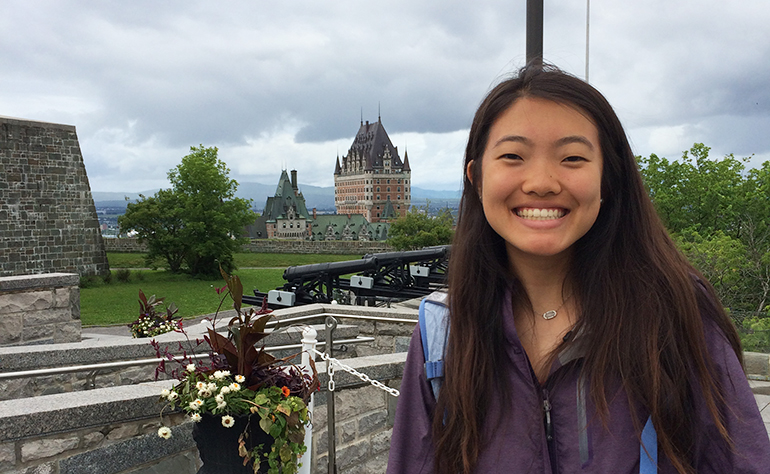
[548, 424]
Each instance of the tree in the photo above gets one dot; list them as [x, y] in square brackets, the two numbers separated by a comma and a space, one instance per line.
[198, 222]
[417, 229]
[720, 217]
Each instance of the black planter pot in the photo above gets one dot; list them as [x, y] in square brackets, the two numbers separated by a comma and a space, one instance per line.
[218, 446]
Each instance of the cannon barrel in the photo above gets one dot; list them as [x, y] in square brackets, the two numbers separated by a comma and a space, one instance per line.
[331, 268]
[428, 253]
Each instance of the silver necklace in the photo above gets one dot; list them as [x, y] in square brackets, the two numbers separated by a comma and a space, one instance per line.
[551, 313]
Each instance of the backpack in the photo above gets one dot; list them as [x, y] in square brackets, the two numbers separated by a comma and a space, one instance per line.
[433, 317]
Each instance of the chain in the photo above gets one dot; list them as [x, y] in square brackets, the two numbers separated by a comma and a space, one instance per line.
[331, 362]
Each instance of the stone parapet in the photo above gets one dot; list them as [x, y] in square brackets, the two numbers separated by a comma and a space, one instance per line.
[98, 348]
[39, 309]
[113, 430]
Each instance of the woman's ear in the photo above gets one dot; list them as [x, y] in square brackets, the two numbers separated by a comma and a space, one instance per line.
[469, 171]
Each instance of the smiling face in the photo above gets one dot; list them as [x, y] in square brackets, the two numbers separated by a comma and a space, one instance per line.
[541, 178]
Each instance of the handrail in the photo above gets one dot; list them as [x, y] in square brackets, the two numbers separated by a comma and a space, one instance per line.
[131, 363]
[382, 319]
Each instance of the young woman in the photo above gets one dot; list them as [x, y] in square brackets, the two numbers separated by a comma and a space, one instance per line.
[573, 318]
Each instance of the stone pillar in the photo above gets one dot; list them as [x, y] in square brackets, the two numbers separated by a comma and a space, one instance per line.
[39, 309]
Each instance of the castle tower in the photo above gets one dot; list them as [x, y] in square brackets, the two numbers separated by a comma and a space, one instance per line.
[372, 177]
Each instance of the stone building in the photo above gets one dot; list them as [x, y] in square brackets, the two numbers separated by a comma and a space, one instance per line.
[372, 180]
[48, 221]
[285, 215]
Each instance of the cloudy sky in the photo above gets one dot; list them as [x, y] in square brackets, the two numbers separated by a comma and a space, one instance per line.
[282, 85]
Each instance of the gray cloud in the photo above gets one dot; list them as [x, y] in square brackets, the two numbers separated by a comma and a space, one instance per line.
[144, 80]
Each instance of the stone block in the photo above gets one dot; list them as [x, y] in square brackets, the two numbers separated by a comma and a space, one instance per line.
[402, 343]
[757, 363]
[74, 304]
[352, 454]
[92, 439]
[123, 432]
[376, 465]
[47, 468]
[67, 332]
[46, 316]
[381, 441]
[358, 401]
[42, 333]
[29, 301]
[45, 448]
[372, 422]
[7, 455]
[10, 328]
[346, 431]
[61, 297]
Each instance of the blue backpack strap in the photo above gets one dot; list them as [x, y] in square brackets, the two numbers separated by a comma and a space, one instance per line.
[434, 332]
[648, 458]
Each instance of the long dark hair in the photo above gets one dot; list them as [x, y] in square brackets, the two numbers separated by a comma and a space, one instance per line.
[641, 302]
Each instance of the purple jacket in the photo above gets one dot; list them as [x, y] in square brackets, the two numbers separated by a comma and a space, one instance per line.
[580, 442]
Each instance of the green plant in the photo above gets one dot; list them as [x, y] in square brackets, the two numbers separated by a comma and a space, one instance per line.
[123, 275]
[243, 380]
[150, 323]
[756, 335]
[195, 224]
[107, 278]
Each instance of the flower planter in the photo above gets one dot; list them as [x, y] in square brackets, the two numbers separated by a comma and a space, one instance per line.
[218, 446]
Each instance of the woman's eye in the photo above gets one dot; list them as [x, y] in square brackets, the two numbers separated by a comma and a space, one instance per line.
[511, 156]
[574, 159]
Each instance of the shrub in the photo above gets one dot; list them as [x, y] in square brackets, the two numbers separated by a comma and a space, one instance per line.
[123, 275]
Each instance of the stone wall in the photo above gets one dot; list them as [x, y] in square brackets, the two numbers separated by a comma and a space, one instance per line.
[39, 309]
[339, 247]
[48, 221]
[113, 430]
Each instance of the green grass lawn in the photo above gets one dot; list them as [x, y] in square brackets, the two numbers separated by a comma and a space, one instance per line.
[118, 302]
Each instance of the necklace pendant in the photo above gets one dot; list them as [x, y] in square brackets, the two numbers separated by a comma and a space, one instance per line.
[549, 314]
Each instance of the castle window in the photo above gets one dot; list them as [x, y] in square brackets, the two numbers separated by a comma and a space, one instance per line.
[398, 198]
[378, 189]
[378, 197]
[398, 189]
[388, 188]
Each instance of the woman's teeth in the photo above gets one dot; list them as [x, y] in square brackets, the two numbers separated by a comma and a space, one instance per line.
[540, 214]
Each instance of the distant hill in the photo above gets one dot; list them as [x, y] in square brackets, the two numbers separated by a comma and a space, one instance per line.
[320, 197]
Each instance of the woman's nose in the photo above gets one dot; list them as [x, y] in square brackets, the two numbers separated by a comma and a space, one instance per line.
[541, 179]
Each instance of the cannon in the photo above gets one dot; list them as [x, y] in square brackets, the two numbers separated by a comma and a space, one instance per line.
[391, 276]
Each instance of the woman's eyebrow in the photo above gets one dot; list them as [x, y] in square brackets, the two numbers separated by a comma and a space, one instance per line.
[514, 138]
[574, 139]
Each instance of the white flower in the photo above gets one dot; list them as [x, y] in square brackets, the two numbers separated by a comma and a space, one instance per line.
[173, 396]
[196, 404]
[165, 393]
[212, 387]
[200, 385]
[235, 387]
[228, 421]
[165, 432]
[240, 378]
[191, 367]
[225, 389]
[219, 375]
[221, 404]
[204, 393]
[196, 417]
[219, 398]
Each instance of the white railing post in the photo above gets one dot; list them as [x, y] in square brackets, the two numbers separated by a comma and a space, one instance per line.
[309, 341]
